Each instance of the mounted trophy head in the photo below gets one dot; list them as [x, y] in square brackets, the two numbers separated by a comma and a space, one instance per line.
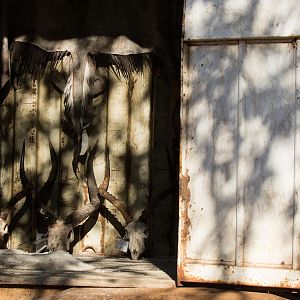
[61, 231]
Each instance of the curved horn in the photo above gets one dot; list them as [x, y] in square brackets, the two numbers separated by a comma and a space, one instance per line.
[26, 183]
[77, 216]
[46, 216]
[44, 194]
[4, 91]
[105, 182]
[27, 188]
[117, 203]
[92, 185]
[163, 194]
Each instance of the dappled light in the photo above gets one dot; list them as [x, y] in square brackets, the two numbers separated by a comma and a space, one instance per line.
[240, 131]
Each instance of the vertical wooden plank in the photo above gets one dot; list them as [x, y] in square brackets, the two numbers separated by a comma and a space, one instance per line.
[7, 147]
[267, 153]
[240, 171]
[211, 121]
[93, 230]
[139, 139]
[25, 128]
[296, 204]
[71, 193]
[6, 113]
[49, 112]
[118, 121]
[183, 223]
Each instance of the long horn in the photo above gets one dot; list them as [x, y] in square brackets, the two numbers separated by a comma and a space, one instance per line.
[27, 188]
[117, 203]
[105, 182]
[45, 216]
[43, 196]
[77, 216]
[26, 183]
[4, 91]
[146, 213]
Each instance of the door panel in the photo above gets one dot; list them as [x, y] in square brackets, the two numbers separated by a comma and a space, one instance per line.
[266, 152]
[238, 210]
[212, 115]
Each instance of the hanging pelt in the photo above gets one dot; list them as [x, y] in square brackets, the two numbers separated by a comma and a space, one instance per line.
[79, 85]
[123, 64]
[28, 59]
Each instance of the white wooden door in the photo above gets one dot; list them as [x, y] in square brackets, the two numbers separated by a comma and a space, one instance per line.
[240, 149]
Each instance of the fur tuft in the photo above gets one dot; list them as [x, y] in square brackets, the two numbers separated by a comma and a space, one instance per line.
[26, 58]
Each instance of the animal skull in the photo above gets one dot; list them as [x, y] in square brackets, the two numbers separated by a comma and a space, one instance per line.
[3, 229]
[60, 236]
[136, 233]
[60, 231]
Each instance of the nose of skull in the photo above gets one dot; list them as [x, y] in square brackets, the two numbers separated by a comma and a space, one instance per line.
[135, 231]
[134, 255]
[60, 236]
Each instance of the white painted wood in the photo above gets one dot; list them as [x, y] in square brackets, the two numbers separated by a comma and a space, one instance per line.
[254, 232]
[266, 156]
[218, 19]
[254, 276]
[240, 176]
[212, 120]
[296, 223]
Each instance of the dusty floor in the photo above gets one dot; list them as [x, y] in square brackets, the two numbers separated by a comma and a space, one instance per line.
[139, 294]
[62, 276]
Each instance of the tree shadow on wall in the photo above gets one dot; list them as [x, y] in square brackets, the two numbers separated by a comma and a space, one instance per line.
[241, 132]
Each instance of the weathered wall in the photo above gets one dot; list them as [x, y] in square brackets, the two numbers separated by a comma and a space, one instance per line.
[145, 25]
[239, 144]
[34, 113]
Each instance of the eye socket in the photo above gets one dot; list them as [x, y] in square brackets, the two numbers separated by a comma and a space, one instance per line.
[146, 233]
[98, 87]
[71, 236]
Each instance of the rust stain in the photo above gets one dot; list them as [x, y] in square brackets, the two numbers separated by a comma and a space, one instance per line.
[284, 283]
[184, 234]
[252, 283]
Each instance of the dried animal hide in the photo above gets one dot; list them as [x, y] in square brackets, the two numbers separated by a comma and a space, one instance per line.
[81, 84]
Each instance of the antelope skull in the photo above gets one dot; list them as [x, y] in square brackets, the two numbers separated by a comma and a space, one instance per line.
[136, 232]
[60, 231]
